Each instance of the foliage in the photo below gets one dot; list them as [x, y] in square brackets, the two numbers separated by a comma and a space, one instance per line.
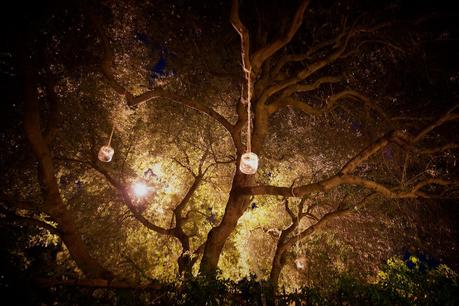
[400, 282]
[188, 54]
[415, 281]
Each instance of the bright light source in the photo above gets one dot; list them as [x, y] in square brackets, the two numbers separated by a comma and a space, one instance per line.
[140, 189]
[301, 262]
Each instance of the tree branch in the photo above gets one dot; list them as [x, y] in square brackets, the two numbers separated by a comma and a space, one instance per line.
[159, 93]
[29, 221]
[341, 42]
[266, 52]
[245, 49]
[403, 139]
[447, 117]
[310, 87]
[365, 154]
[127, 200]
[446, 147]
[330, 104]
[107, 71]
[288, 210]
[338, 180]
[311, 229]
[178, 209]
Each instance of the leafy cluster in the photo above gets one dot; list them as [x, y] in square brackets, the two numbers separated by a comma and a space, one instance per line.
[400, 282]
[345, 139]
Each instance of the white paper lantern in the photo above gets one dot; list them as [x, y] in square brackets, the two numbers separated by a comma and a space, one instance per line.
[249, 163]
[300, 263]
[106, 154]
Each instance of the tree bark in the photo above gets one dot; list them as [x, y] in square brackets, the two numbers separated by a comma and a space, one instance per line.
[184, 262]
[276, 268]
[77, 248]
[185, 265]
[217, 236]
[53, 203]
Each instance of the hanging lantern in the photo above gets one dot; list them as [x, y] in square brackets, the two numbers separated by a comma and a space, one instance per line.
[300, 263]
[106, 154]
[249, 163]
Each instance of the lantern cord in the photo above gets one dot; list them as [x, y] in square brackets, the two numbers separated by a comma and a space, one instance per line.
[111, 136]
[249, 114]
[298, 239]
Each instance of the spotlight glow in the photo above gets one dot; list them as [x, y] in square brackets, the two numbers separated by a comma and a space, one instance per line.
[140, 189]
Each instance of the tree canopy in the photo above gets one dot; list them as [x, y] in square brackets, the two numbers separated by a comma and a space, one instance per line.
[350, 106]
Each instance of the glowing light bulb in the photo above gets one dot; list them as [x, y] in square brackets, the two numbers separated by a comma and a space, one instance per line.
[300, 263]
[249, 163]
[106, 154]
[140, 189]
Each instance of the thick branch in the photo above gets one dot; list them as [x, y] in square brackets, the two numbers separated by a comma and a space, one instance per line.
[38, 143]
[107, 60]
[447, 117]
[317, 226]
[330, 104]
[338, 180]
[288, 210]
[341, 42]
[53, 202]
[310, 87]
[159, 93]
[107, 71]
[373, 148]
[196, 252]
[403, 139]
[178, 209]
[245, 48]
[309, 70]
[128, 201]
[414, 192]
[14, 218]
[267, 51]
[446, 147]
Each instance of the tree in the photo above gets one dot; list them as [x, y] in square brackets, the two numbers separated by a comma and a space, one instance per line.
[324, 137]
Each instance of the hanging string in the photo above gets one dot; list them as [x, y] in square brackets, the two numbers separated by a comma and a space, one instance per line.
[298, 242]
[298, 231]
[111, 136]
[249, 119]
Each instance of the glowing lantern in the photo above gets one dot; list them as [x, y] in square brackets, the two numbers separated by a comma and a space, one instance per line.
[300, 263]
[249, 163]
[106, 154]
[140, 189]
[249, 160]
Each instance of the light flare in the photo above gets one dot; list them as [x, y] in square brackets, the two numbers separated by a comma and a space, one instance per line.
[140, 189]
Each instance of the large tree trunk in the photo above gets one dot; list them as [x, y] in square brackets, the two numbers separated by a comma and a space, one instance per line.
[53, 204]
[276, 269]
[217, 236]
[185, 264]
[237, 204]
[78, 251]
